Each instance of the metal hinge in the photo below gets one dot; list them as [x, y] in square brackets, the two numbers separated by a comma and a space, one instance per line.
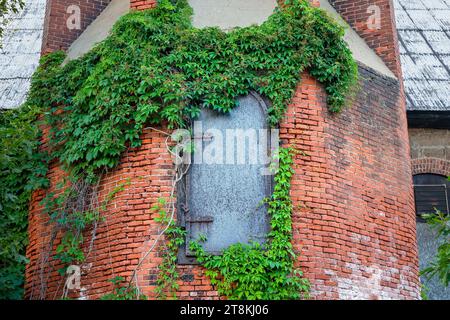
[204, 137]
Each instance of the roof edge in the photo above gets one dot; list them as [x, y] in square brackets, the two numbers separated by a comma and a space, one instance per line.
[360, 49]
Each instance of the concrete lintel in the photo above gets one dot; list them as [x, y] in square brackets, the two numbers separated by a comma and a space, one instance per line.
[361, 51]
[99, 29]
[225, 14]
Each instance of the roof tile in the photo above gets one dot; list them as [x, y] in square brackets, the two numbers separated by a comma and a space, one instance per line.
[424, 35]
[20, 54]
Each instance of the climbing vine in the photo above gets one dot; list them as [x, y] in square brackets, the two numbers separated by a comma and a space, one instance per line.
[122, 291]
[254, 271]
[175, 237]
[155, 68]
[22, 170]
[440, 266]
[8, 8]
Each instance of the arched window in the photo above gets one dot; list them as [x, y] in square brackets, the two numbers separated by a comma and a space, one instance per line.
[228, 177]
[431, 192]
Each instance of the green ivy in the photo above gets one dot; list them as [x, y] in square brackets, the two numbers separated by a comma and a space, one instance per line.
[440, 267]
[156, 68]
[252, 271]
[175, 237]
[22, 170]
[8, 8]
[73, 220]
[122, 291]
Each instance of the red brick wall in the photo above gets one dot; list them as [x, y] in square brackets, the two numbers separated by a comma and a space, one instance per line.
[384, 40]
[56, 34]
[123, 238]
[142, 4]
[354, 224]
[431, 165]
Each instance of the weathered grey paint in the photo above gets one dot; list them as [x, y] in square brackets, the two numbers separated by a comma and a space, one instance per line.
[20, 54]
[227, 14]
[426, 239]
[430, 143]
[229, 193]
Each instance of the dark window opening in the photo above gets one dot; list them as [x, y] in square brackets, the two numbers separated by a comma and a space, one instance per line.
[432, 192]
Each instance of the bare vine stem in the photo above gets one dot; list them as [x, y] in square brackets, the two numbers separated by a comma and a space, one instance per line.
[179, 172]
[87, 199]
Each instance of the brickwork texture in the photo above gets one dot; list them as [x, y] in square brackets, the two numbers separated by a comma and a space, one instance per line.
[430, 151]
[57, 35]
[353, 220]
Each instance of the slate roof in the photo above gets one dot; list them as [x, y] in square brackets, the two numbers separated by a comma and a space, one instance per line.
[424, 35]
[423, 28]
[20, 54]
